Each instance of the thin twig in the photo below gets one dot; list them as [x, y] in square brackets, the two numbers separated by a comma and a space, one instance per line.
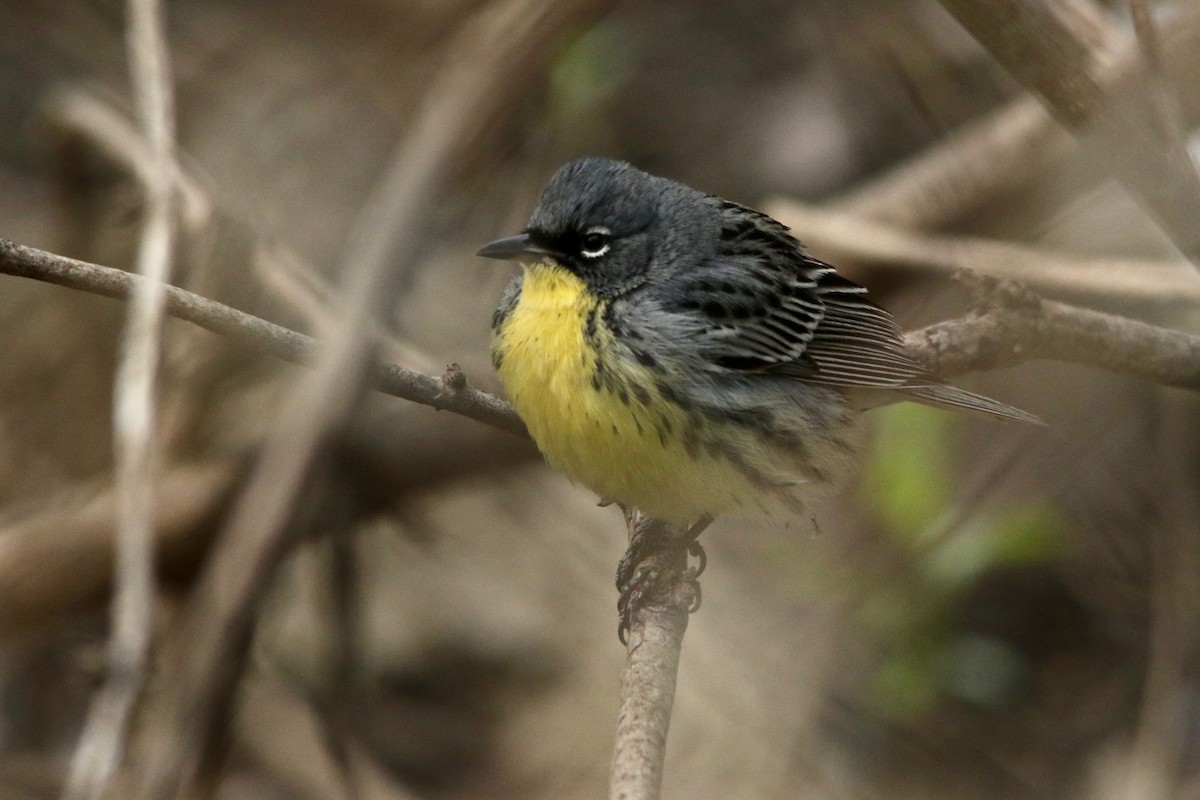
[965, 345]
[255, 333]
[79, 113]
[1016, 327]
[1160, 96]
[1142, 17]
[1159, 752]
[103, 743]
[87, 116]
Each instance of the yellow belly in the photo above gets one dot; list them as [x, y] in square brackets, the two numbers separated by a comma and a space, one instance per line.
[630, 446]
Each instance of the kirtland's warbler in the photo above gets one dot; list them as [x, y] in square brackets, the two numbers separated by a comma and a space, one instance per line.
[682, 354]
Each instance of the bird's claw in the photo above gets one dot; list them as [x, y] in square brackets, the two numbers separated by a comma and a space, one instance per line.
[650, 570]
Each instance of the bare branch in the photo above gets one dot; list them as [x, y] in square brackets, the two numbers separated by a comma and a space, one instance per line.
[1158, 754]
[1159, 95]
[83, 114]
[88, 117]
[1018, 326]
[1142, 17]
[103, 743]
[255, 333]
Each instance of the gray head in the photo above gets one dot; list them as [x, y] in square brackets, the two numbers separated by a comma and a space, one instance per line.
[609, 223]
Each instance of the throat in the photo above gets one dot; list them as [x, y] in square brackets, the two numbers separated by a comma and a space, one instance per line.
[548, 286]
[543, 347]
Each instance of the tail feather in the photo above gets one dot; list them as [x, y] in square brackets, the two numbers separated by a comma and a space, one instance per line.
[949, 396]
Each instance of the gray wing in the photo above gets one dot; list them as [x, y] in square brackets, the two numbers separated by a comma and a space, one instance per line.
[769, 307]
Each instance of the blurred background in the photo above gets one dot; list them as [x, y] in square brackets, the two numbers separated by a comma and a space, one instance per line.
[988, 611]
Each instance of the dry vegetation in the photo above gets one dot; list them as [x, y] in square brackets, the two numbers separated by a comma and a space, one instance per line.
[357, 596]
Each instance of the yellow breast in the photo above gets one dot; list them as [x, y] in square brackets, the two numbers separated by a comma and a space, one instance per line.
[598, 416]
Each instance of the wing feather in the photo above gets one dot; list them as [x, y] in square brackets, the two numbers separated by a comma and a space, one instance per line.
[772, 307]
[764, 305]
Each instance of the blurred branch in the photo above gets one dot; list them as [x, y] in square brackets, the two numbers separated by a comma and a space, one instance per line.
[78, 113]
[1064, 52]
[484, 69]
[103, 742]
[286, 733]
[1015, 326]
[1142, 17]
[984, 158]
[300, 289]
[1161, 99]
[1012, 145]
[1159, 753]
[843, 237]
[60, 561]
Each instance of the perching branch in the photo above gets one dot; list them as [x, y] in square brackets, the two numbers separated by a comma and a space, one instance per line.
[1013, 326]
[1005, 334]
[1017, 326]
[256, 334]
[655, 641]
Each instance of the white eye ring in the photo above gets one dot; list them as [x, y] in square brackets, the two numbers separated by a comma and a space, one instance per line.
[598, 231]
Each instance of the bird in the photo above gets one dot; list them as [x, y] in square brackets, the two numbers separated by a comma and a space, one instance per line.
[684, 355]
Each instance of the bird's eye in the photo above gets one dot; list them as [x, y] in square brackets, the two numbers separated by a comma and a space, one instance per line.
[595, 242]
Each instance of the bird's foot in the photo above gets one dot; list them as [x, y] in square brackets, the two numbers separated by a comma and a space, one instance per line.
[655, 565]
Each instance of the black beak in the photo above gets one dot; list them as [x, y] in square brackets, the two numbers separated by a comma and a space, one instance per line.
[515, 248]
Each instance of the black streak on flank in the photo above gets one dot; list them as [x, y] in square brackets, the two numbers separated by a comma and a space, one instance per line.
[589, 326]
